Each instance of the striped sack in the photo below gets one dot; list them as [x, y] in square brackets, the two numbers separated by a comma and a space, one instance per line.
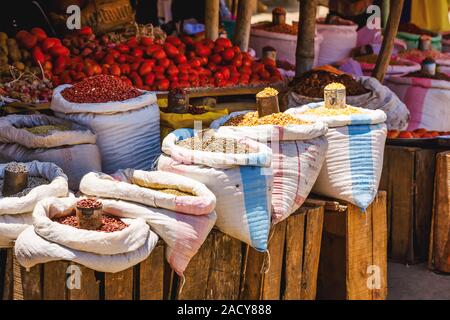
[298, 154]
[354, 161]
[242, 184]
[426, 99]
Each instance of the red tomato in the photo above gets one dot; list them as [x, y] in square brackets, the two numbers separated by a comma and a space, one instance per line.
[163, 85]
[181, 58]
[215, 58]
[223, 42]
[228, 54]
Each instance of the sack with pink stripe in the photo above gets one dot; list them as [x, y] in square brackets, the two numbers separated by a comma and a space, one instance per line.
[426, 99]
[298, 154]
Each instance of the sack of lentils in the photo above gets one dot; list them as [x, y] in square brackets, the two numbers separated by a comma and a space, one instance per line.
[237, 171]
[126, 120]
[44, 180]
[362, 92]
[354, 160]
[298, 149]
[70, 146]
[120, 242]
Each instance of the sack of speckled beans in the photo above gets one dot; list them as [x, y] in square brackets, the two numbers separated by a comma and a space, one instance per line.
[22, 186]
[180, 210]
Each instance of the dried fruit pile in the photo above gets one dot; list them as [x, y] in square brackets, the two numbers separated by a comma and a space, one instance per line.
[100, 89]
[312, 83]
[280, 28]
[420, 74]
[33, 182]
[324, 111]
[109, 223]
[416, 134]
[252, 119]
[46, 130]
[216, 144]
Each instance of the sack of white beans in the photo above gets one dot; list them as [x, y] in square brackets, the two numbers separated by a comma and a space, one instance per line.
[45, 180]
[241, 182]
[354, 161]
[298, 152]
[49, 240]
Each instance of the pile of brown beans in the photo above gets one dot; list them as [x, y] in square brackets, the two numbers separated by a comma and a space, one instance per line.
[109, 223]
[89, 203]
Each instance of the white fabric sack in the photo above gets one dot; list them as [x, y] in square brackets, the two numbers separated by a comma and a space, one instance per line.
[380, 97]
[15, 212]
[298, 154]
[426, 99]
[134, 185]
[286, 44]
[74, 151]
[183, 234]
[243, 191]
[338, 42]
[128, 133]
[354, 161]
[47, 241]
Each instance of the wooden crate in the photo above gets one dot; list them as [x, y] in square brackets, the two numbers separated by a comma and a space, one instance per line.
[354, 252]
[290, 272]
[408, 175]
[439, 258]
[61, 280]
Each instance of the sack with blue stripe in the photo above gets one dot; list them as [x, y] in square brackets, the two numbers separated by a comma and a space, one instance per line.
[354, 161]
[242, 184]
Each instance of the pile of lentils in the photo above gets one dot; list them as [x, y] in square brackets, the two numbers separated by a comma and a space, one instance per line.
[100, 89]
[33, 182]
[109, 223]
[216, 144]
[251, 119]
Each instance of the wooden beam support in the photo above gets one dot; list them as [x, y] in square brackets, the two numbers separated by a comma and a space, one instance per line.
[243, 23]
[212, 19]
[390, 33]
[305, 38]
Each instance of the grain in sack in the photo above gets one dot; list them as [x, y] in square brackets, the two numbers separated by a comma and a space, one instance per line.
[128, 132]
[354, 160]
[16, 210]
[49, 240]
[242, 182]
[70, 146]
[298, 152]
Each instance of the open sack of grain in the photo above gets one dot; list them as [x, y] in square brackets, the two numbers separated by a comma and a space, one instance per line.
[128, 133]
[427, 100]
[124, 240]
[362, 92]
[237, 171]
[44, 180]
[298, 151]
[39, 137]
[180, 210]
[354, 160]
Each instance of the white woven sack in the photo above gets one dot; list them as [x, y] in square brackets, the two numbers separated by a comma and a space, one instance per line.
[74, 151]
[134, 185]
[45, 242]
[426, 99]
[298, 154]
[128, 133]
[337, 44]
[354, 161]
[15, 212]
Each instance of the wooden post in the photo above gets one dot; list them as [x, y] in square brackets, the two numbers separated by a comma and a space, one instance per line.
[388, 40]
[243, 23]
[305, 38]
[212, 19]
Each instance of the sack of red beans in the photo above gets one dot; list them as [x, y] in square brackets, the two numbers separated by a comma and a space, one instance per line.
[126, 120]
[122, 241]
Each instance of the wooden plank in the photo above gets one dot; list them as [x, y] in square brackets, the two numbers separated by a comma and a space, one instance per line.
[196, 274]
[441, 225]
[8, 287]
[359, 253]
[295, 234]
[151, 275]
[225, 268]
[27, 285]
[89, 285]
[313, 238]
[379, 246]
[119, 286]
[3, 255]
[402, 204]
[54, 280]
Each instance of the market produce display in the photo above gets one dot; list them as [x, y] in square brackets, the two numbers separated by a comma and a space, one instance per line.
[48, 139]
[420, 133]
[109, 223]
[412, 34]
[397, 65]
[245, 180]
[128, 133]
[44, 180]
